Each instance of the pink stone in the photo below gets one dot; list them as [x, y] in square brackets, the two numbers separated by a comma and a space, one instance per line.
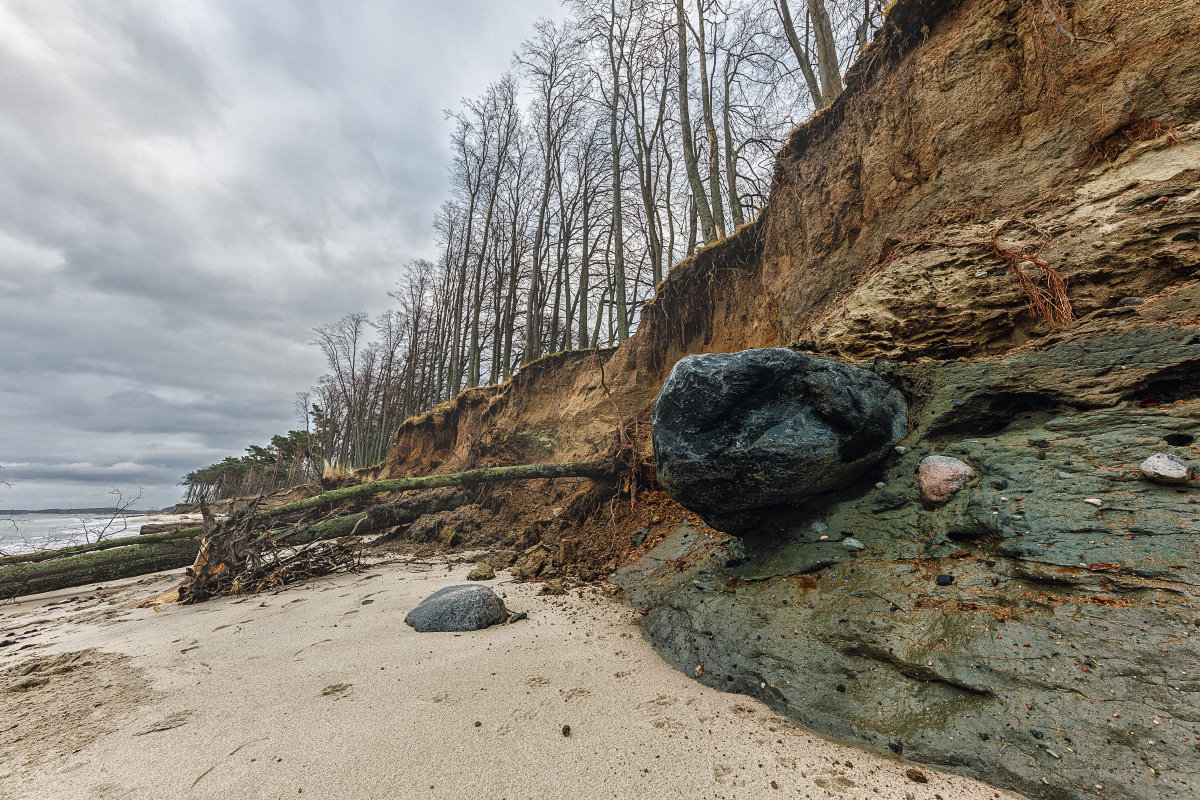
[942, 477]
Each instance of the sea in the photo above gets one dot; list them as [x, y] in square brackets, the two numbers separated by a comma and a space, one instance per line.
[27, 533]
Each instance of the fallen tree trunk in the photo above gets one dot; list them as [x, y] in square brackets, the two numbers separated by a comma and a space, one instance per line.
[114, 559]
[597, 470]
[106, 544]
[96, 567]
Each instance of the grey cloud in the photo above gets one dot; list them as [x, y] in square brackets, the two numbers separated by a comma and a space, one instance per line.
[187, 189]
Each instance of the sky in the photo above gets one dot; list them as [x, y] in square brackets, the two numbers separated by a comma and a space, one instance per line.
[187, 188]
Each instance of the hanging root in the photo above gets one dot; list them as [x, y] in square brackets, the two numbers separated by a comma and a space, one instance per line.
[631, 469]
[1048, 297]
[1134, 129]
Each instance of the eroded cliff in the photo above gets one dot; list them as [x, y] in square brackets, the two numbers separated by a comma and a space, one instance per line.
[977, 156]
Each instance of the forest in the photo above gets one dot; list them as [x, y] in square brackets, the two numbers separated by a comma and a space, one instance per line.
[623, 138]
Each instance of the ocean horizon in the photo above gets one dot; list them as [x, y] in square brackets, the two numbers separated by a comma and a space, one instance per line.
[29, 532]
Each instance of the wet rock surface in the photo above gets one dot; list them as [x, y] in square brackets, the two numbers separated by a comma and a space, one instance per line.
[1051, 614]
[467, 607]
[739, 435]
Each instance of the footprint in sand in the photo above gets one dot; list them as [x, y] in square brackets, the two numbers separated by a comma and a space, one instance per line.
[536, 680]
[443, 697]
[336, 690]
[662, 701]
[578, 691]
[668, 724]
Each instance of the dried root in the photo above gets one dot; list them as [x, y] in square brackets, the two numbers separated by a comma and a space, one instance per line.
[235, 557]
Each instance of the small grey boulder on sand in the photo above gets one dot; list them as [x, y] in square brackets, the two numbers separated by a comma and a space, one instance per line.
[466, 607]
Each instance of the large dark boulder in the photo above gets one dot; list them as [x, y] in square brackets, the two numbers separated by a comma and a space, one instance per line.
[738, 435]
[467, 607]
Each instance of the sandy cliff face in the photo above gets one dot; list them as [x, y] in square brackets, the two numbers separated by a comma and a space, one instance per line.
[977, 154]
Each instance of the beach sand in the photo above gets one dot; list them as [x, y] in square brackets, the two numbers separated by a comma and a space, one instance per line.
[322, 691]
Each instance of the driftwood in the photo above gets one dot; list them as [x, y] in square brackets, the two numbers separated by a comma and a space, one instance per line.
[114, 559]
[235, 558]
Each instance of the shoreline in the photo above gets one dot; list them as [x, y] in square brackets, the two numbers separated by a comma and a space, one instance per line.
[322, 690]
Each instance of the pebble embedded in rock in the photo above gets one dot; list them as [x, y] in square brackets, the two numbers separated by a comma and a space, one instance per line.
[698, 671]
[1131, 301]
[916, 776]
[850, 543]
[1168, 469]
[1094, 501]
[945, 580]
[942, 477]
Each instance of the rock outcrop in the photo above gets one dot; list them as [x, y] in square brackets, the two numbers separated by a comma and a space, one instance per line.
[1016, 607]
[738, 437]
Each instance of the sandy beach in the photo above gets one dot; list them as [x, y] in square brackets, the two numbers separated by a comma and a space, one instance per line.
[322, 691]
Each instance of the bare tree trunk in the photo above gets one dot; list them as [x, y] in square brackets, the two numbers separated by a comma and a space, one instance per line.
[802, 57]
[614, 141]
[735, 202]
[699, 198]
[827, 60]
[710, 129]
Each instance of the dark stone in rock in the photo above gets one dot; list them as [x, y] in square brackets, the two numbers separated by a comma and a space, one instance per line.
[1131, 301]
[1001, 485]
[1037, 734]
[841, 687]
[467, 607]
[945, 580]
[639, 537]
[738, 436]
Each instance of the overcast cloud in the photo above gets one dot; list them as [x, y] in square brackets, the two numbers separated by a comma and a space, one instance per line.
[186, 189]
